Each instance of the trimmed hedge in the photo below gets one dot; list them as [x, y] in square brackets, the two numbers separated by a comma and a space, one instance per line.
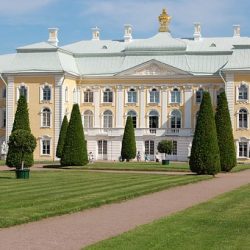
[225, 134]
[75, 148]
[205, 155]
[21, 121]
[62, 137]
[128, 150]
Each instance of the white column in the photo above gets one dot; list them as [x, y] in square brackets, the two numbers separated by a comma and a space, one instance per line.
[10, 102]
[58, 109]
[142, 107]
[119, 107]
[164, 103]
[96, 91]
[229, 89]
[188, 106]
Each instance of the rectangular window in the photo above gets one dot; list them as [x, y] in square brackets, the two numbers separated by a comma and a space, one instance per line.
[108, 96]
[243, 149]
[154, 97]
[46, 93]
[88, 96]
[132, 97]
[174, 150]
[149, 147]
[46, 147]
[4, 119]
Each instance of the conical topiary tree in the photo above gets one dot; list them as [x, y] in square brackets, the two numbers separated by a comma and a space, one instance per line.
[128, 150]
[225, 134]
[21, 121]
[205, 155]
[75, 149]
[62, 137]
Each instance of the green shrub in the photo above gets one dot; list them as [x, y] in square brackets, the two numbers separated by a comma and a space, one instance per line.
[22, 141]
[21, 121]
[75, 149]
[165, 147]
[205, 155]
[128, 150]
[62, 137]
[225, 134]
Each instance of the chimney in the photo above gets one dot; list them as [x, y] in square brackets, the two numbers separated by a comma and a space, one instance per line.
[95, 34]
[127, 33]
[236, 30]
[53, 36]
[197, 31]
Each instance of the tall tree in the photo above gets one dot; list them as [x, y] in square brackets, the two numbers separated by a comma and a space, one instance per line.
[128, 150]
[21, 121]
[225, 134]
[75, 149]
[205, 155]
[62, 137]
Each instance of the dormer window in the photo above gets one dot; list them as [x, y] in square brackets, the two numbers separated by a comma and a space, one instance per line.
[105, 47]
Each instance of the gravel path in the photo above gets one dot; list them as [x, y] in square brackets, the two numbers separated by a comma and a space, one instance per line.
[84, 228]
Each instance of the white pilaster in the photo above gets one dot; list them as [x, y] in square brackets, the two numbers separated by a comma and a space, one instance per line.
[142, 107]
[164, 107]
[96, 91]
[10, 101]
[59, 112]
[229, 89]
[188, 107]
[119, 107]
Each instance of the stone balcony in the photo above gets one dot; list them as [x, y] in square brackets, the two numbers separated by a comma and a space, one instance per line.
[140, 132]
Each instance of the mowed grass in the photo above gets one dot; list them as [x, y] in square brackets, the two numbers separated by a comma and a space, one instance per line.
[223, 223]
[50, 193]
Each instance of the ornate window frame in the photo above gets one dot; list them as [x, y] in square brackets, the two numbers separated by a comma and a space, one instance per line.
[41, 93]
[237, 88]
[42, 114]
[42, 139]
[18, 91]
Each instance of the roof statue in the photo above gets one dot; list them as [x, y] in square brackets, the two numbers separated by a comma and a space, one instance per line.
[164, 20]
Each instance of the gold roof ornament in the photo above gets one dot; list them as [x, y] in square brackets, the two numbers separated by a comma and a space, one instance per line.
[164, 20]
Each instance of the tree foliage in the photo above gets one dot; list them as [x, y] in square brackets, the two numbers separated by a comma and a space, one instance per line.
[128, 150]
[21, 121]
[225, 134]
[62, 137]
[165, 147]
[205, 155]
[75, 148]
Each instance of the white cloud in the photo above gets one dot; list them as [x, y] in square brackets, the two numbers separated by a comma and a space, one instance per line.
[20, 7]
[215, 16]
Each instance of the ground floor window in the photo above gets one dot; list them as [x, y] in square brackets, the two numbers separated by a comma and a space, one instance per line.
[243, 152]
[149, 147]
[46, 147]
[102, 149]
[174, 149]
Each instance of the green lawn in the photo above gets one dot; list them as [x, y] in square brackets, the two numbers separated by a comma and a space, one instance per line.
[50, 193]
[223, 223]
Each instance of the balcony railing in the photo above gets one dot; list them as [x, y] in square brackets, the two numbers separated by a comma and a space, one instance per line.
[139, 131]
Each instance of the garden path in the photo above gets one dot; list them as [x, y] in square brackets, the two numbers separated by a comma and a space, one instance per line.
[77, 230]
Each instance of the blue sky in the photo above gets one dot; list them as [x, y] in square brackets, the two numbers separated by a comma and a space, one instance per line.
[24, 22]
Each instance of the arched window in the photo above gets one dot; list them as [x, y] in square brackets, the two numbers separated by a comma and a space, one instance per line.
[154, 96]
[243, 117]
[108, 95]
[175, 96]
[23, 91]
[199, 95]
[153, 121]
[88, 96]
[88, 119]
[132, 114]
[243, 92]
[46, 117]
[132, 96]
[175, 119]
[46, 93]
[107, 119]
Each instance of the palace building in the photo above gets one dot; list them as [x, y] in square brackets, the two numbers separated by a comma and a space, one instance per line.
[158, 81]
